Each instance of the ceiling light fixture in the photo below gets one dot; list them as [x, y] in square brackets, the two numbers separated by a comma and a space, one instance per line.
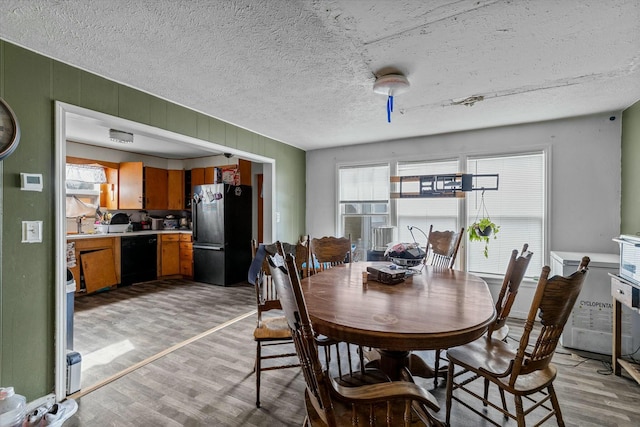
[120, 136]
[390, 85]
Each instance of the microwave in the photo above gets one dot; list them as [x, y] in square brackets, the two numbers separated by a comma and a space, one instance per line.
[629, 257]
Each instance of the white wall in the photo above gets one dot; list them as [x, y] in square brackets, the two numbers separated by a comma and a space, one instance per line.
[584, 199]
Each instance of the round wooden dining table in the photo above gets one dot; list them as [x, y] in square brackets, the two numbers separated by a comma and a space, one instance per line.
[436, 308]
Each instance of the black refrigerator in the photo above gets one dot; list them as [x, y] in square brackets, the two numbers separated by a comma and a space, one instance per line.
[221, 220]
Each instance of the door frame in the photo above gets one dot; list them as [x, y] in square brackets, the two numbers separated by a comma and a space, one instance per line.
[60, 154]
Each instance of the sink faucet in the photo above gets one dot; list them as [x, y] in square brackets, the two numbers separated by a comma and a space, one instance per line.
[79, 222]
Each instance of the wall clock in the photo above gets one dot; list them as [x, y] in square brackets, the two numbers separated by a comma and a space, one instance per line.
[9, 130]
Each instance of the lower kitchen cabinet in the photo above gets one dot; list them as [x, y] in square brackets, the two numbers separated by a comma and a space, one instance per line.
[170, 258]
[100, 261]
[186, 256]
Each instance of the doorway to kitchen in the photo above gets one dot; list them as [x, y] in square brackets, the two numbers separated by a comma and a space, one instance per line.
[174, 144]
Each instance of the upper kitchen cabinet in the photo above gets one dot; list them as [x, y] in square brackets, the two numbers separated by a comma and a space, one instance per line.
[197, 176]
[155, 188]
[175, 190]
[131, 194]
[145, 187]
[109, 190]
[142, 187]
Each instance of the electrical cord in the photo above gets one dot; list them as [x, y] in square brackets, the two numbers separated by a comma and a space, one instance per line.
[608, 370]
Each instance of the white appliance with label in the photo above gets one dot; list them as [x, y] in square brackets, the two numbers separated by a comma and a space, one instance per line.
[590, 324]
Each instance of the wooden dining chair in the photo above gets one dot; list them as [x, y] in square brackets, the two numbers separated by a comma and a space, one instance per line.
[442, 247]
[329, 251]
[516, 269]
[526, 371]
[272, 330]
[379, 403]
[442, 251]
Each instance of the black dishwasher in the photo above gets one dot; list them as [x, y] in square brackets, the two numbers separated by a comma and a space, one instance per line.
[138, 258]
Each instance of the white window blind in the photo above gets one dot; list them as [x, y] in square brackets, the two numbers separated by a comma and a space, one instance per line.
[364, 203]
[364, 183]
[422, 213]
[518, 207]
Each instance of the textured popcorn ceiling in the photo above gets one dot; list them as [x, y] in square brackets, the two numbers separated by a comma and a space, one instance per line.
[302, 71]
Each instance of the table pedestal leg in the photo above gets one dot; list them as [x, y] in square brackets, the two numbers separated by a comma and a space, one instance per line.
[393, 363]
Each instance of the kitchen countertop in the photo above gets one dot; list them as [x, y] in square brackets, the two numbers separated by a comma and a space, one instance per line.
[75, 236]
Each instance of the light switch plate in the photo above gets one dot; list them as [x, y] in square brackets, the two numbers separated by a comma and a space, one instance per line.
[31, 231]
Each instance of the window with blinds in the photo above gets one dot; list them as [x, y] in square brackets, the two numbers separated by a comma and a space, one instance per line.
[364, 202]
[422, 213]
[518, 207]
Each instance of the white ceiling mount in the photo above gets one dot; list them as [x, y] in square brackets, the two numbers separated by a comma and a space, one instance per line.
[391, 84]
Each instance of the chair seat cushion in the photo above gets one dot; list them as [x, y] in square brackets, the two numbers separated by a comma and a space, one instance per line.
[272, 328]
[492, 358]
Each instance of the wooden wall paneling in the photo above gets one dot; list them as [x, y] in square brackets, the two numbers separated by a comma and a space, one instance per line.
[182, 120]
[98, 93]
[133, 104]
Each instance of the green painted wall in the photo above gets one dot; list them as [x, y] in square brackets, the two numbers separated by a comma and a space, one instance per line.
[30, 83]
[630, 209]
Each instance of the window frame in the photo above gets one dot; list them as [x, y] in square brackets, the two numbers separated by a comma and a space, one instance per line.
[545, 151]
[463, 218]
[339, 216]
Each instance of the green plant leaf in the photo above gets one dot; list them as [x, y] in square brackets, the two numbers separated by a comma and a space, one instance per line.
[482, 225]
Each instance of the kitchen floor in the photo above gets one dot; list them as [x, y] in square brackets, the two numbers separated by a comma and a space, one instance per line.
[210, 381]
[116, 329]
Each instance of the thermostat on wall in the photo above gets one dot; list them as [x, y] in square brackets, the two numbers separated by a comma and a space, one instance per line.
[31, 181]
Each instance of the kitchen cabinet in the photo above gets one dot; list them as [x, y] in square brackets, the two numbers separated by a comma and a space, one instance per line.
[197, 177]
[210, 175]
[175, 190]
[155, 188]
[109, 190]
[131, 194]
[186, 255]
[98, 268]
[142, 187]
[99, 257]
[170, 254]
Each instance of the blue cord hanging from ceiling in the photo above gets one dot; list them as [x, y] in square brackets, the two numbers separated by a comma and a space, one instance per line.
[390, 85]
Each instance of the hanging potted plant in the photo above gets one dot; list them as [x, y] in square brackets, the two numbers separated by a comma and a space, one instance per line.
[483, 228]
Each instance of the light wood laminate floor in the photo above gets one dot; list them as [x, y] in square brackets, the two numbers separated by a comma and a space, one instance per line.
[210, 381]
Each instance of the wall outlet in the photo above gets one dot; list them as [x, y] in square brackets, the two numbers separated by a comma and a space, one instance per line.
[277, 216]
